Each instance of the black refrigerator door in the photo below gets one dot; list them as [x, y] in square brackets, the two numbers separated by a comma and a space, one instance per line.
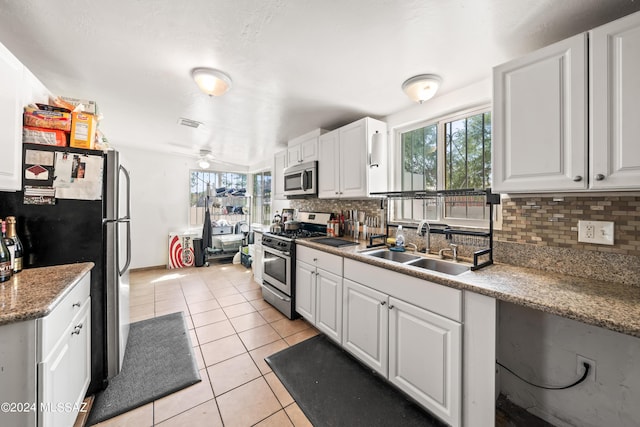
[68, 232]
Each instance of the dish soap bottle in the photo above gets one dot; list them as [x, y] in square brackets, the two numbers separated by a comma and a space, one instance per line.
[399, 239]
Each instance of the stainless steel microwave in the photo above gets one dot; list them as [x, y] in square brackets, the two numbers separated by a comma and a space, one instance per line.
[301, 180]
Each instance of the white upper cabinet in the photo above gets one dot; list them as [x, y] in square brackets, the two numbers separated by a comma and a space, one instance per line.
[344, 166]
[542, 111]
[11, 96]
[615, 101]
[18, 87]
[279, 163]
[304, 148]
[329, 165]
[540, 120]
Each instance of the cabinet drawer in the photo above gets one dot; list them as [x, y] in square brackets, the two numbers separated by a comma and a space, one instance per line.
[431, 296]
[52, 326]
[326, 261]
[64, 375]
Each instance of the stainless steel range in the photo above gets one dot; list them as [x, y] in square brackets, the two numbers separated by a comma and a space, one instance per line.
[279, 261]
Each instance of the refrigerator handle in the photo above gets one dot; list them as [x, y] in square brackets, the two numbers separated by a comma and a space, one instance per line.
[126, 219]
[128, 191]
[126, 265]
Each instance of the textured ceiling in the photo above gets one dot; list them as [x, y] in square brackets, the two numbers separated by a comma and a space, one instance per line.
[296, 65]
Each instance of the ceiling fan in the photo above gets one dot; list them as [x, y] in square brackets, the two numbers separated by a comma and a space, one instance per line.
[204, 162]
[205, 157]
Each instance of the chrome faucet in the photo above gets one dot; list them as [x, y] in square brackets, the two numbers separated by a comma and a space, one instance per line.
[454, 251]
[426, 233]
[413, 246]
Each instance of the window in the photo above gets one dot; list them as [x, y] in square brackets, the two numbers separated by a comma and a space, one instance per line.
[212, 184]
[261, 212]
[467, 164]
[451, 153]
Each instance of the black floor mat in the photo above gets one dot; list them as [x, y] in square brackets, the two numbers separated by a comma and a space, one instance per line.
[333, 389]
[158, 361]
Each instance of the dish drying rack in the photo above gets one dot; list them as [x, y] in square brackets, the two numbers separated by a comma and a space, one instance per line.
[470, 237]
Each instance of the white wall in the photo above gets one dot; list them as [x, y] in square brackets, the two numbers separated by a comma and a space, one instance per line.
[159, 202]
[543, 347]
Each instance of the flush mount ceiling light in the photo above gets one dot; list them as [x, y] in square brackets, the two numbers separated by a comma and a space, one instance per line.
[422, 87]
[211, 81]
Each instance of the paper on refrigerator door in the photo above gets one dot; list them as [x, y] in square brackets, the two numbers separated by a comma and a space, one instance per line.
[78, 176]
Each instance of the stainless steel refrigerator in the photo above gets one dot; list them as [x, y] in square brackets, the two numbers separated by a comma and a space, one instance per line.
[117, 232]
[97, 230]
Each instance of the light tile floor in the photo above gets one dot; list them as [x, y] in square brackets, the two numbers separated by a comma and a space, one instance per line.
[232, 330]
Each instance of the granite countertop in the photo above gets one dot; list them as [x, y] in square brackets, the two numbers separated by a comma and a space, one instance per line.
[34, 292]
[608, 305]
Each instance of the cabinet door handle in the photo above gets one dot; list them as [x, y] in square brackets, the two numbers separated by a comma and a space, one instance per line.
[390, 306]
[76, 304]
[577, 178]
[599, 177]
[76, 330]
[383, 302]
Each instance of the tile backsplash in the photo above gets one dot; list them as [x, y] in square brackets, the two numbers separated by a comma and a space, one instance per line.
[553, 221]
[542, 232]
[336, 205]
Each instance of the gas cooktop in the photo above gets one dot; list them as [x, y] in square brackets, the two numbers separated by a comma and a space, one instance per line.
[336, 243]
[297, 234]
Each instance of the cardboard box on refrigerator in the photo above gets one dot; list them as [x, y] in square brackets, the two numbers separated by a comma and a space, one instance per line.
[83, 130]
[88, 106]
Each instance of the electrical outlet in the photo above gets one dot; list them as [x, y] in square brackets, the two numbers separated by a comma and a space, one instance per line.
[580, 360]
[599, 232]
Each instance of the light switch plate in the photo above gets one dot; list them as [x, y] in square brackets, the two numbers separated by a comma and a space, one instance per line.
[598, 232]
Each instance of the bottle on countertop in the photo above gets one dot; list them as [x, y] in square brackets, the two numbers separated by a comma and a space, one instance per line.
[18, 247]
[399, 238]
[6, 268]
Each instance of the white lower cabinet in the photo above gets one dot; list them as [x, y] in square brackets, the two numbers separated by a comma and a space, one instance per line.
[425, 358]
[329, 304]
[408, 330]
[256, 264]
[64, 375]
[46, 363]
[365, 327]
[306, 291]
[319, 290]
[418, 345]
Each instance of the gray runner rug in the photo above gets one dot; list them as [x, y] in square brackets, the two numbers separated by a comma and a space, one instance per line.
[158, 361]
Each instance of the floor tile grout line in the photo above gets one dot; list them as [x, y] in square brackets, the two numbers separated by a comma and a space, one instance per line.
[247, 351]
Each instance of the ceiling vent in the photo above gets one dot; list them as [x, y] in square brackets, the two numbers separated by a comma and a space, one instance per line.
[189, 123]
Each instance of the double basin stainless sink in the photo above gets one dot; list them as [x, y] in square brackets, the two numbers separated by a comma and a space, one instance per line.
[446, 267]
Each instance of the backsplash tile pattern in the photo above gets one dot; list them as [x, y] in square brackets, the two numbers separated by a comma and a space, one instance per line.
[553, 221]
[542, 233]
[370, 207]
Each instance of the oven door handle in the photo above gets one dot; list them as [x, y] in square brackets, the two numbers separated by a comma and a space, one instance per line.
[275, 294]
[276, 252]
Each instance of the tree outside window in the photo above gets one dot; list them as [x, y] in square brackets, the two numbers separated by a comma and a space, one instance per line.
[450, 154]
